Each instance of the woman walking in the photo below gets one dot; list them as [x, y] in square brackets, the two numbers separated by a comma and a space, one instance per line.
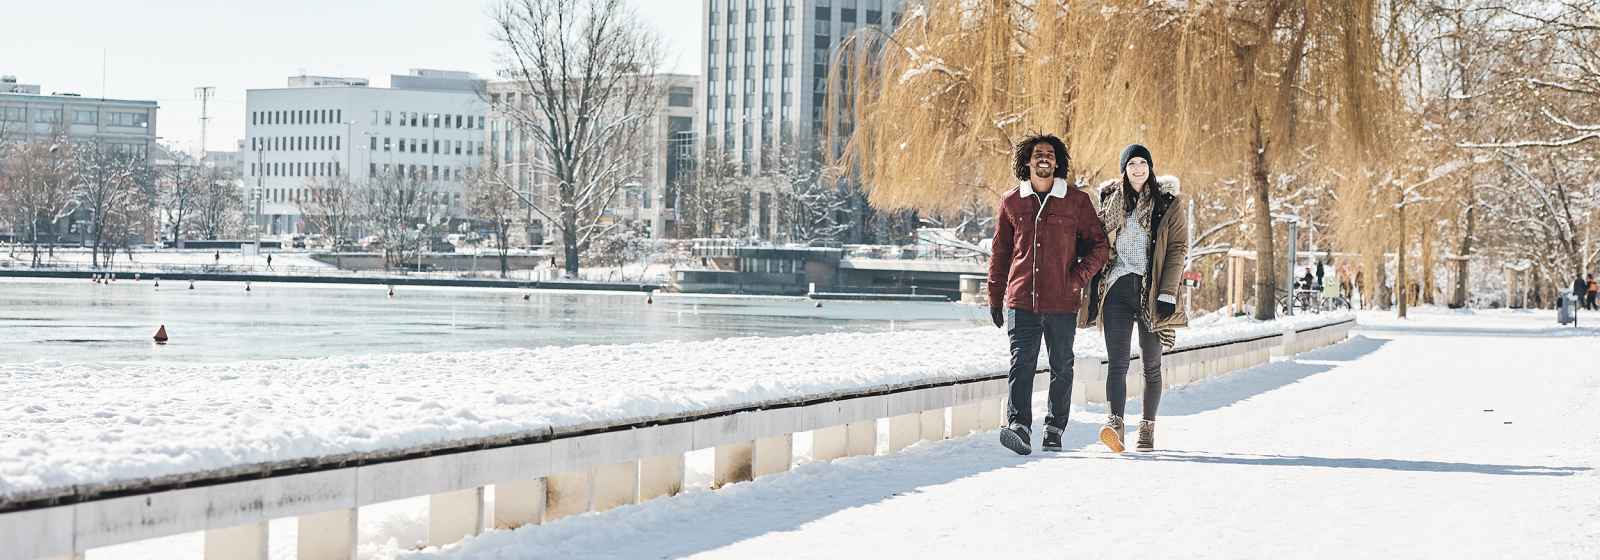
[1138, 287]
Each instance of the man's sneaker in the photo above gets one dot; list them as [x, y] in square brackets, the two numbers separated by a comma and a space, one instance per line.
[1111, 433]
[1147, 435]
[1015, 438]
[1052, 440]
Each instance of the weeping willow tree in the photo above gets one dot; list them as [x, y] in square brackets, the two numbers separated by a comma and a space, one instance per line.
[1246, 100]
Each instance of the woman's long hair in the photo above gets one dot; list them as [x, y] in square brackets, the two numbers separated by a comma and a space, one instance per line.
[1130, 199]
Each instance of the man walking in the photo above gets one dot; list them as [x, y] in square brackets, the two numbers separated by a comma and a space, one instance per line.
[1048, 242]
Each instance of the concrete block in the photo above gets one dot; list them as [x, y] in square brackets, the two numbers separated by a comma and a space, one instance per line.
[963, 419]
[723, 430]
[732, 464]
[243, 542]
[933, 425]
[582, 453]
[518, 503]
[265, 499]
[661, 441]
[615, 484]
[330, 535]
[904, 430]
[989, 413]
[453, 516]
[861, 438]
[772, 455]
[134, 518]
[661, 475]
[829, 443]
[38, 533]
[565, 494]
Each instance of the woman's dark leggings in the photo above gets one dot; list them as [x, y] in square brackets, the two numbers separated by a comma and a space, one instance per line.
[1121, 312]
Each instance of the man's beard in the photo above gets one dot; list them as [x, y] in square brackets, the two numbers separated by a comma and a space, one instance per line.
[1043, 172]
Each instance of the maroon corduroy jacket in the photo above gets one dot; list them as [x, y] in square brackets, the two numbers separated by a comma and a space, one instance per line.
[1046, 248]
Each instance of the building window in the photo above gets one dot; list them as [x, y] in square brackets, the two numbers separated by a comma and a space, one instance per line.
[47, 115]
[85, 117]
[680, 97]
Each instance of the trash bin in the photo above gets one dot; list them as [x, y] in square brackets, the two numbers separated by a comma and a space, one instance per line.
[1566, 312]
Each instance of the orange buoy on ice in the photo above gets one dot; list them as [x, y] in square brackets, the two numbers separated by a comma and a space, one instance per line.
[161, 335]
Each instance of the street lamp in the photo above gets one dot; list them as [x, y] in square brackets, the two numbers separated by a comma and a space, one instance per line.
[419, 247]
[348, 163]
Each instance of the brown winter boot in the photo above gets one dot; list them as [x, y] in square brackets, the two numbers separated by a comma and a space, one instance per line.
[1111, 433]
[1147, 435]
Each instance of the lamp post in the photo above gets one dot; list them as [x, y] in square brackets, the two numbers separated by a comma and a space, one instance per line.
[348, 163]
[419, 247]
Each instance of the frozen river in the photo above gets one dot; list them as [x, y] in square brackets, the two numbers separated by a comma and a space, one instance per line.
[76, 321]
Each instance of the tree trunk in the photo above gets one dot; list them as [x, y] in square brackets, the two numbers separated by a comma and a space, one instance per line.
[569, 239]
[1464, 254]
[1427, 265]
[1266, 261]
[505, 267]
[1377, 291]
[1400, 267]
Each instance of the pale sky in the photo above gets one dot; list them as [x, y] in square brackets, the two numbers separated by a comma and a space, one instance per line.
[163, 50]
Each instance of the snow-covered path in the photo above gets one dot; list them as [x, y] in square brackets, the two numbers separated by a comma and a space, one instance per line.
[1399, 443]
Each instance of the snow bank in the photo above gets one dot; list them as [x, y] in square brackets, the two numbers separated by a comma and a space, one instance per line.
[67, 424]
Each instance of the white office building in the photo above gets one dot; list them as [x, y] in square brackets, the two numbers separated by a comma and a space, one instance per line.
[647, 199]
[766, 70]
[428, 124]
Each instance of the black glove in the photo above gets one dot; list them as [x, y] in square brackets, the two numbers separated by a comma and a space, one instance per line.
[998, 314]
[1166, 309]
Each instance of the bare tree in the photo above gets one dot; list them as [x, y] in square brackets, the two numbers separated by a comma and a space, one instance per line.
[401, 210]
[814, 206]
[492, 200]
[108, 187]
[178, 193]
[41, 176]
[585, 71]
[709, 196]
[329, 208]
[219, 208]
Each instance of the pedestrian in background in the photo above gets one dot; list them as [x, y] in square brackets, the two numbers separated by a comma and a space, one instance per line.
[1594, 288]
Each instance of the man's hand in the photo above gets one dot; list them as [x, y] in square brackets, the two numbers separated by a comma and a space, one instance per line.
[1166, 309]
[998, 314]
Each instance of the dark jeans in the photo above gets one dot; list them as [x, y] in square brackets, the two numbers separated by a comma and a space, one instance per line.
[1121, 312]
[1025, 328]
